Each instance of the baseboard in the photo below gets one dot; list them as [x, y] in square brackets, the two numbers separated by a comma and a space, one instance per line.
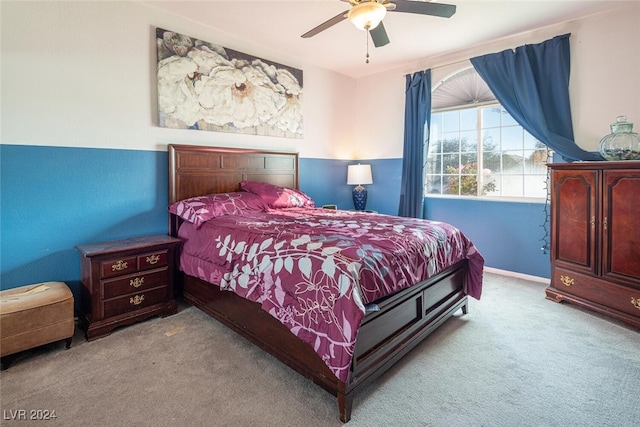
[518, 275]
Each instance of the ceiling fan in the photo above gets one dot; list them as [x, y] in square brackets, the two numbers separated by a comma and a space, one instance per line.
[368, 14]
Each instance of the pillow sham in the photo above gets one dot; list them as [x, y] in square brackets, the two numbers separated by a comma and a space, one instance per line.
[278, 197]
[200, 209]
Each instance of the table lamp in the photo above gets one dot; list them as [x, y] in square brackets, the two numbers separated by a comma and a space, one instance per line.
[358, 175]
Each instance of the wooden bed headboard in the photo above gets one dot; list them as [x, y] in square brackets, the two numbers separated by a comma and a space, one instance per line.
[198, 170]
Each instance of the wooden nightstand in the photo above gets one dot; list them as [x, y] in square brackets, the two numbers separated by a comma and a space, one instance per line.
[125, 281]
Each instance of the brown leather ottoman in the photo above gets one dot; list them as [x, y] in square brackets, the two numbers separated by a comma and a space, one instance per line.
[35, 315]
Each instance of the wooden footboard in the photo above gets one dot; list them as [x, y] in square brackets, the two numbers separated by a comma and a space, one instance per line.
[403, 321]
[249, 320]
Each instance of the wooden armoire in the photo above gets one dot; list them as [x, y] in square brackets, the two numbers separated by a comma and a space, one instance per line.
[595, 237]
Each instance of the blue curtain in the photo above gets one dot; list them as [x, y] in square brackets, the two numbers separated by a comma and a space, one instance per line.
[532, 84]
[417, 113]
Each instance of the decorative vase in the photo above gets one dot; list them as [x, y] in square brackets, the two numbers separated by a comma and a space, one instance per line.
[622, 143]
[359, 198]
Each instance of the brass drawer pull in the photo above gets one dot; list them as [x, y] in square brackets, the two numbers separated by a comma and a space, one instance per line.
[119, 266]
[566, 280]
[153, 259]
[137, 300]
[635, 302]
[137, 282]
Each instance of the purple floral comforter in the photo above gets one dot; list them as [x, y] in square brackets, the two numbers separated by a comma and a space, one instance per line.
[316, 269]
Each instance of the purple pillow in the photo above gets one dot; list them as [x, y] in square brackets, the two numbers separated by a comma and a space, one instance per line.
[278, 197]
[199, 209]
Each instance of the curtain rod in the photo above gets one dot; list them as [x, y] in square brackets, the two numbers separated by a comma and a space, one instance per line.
[444, 65]
[509, 37]
[452, 63]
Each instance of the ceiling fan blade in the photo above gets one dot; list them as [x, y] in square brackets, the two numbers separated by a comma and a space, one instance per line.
[379, 36]
[327, 24]
[424, 8]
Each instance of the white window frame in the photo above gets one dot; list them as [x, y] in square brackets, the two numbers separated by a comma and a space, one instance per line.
[479, 176]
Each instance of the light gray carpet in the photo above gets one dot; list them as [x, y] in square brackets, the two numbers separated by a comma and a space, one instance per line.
[515, 360]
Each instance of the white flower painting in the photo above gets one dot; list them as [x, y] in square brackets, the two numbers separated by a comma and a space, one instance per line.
[208, 87]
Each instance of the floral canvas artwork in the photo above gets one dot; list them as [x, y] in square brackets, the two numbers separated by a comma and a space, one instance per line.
[205, 86]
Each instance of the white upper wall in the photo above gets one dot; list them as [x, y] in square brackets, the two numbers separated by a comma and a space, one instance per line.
[605, 65]
[82, 74]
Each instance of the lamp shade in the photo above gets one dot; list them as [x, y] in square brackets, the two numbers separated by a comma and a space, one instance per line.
[367, 15]
[359, 174]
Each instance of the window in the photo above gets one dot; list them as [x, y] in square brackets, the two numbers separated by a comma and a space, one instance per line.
[479, 149]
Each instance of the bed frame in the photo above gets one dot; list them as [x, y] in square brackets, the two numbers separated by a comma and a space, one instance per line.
[404, 320]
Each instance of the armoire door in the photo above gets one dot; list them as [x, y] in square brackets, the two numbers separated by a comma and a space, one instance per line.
[621, 226]
[575, 220]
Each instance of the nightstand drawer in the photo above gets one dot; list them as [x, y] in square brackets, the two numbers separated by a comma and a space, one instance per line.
[134, 301]
[133, 283]
[152, 260]
[118, 267]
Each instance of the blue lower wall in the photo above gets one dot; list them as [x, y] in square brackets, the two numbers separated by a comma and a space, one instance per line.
[54, 198]
[326, 181]
[510, 235]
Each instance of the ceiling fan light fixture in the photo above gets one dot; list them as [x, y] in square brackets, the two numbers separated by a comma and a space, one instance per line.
[367, 15]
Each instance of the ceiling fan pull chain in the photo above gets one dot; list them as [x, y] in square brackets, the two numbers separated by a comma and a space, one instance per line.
[367, 36]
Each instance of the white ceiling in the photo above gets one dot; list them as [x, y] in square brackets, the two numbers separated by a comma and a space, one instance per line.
[277, 25]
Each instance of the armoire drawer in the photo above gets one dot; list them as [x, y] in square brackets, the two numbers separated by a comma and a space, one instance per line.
[617, 297]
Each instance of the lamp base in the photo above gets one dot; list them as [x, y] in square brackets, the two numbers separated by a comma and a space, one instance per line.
[359, 198]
